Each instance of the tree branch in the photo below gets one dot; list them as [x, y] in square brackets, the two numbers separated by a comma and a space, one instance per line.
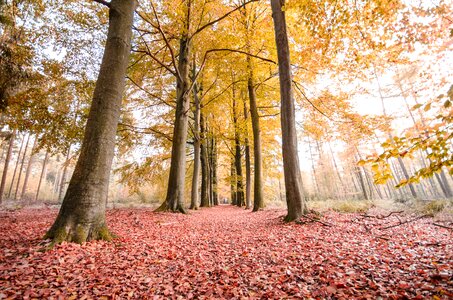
[103, 2]
[220, 19]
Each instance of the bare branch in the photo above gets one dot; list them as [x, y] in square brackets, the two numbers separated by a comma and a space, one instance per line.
[221, 18]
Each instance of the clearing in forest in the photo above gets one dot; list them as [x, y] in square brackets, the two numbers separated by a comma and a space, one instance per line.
[228, 252]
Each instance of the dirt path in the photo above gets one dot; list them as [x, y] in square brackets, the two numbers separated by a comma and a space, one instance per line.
[227, 252]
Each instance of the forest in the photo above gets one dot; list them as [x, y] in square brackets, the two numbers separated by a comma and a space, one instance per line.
[237, 149]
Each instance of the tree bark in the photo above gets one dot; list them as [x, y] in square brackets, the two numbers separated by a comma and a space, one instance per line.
[215, 193]
[248, 171]
[174, 200]
[29, 165]
[41, 177]
[21, 168]
[293, 180]
[258, 201]
[7, 161]
[196, 147]
[17, 165]
[204, 202]
[82, 213]
[240, 201]
[233, 182]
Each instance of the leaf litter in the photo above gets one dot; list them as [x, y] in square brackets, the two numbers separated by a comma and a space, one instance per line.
[228, 253]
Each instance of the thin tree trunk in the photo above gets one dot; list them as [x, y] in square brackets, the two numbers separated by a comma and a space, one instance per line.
[293, 180]
[21, 168]
[248, 171]
[400, 160]
[233, 182]
[204, 202]
[17, 165]
[82, 213]
[237, 154]
[315, 180]
[41, 177]
[7, 161]
[215, 193]
[196, 146]
[258, 201]
[29, 165]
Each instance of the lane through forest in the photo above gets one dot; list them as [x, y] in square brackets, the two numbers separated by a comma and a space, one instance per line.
[227, 252]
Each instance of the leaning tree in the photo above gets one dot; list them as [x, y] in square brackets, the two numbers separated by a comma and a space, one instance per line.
[82, 214]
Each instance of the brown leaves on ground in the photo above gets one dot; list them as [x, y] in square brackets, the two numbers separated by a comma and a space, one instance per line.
[227, 252]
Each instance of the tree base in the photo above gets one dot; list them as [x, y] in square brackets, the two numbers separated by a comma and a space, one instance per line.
[165, 207]
[78, 233]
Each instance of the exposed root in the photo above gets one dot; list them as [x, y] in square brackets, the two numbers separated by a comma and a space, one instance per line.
[77, 233]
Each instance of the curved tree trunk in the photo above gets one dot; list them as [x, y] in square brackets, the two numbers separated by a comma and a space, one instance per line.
[293, 180]
[82, 214]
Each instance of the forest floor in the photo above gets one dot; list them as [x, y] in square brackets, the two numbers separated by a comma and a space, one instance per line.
[228, 252]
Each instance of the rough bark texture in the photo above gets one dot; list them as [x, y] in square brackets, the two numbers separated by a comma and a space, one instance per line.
[196, 148]
[82, 214]
[293, 180]
[174, 200]
[6, 165]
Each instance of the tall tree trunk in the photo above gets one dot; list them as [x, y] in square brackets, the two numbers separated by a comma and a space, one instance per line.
[174, 200]
[7, 161]
[400, 160]
[204, 202]
[237, 154]
[21, 168]
[196, 146]
[233, 182]
[258, 201]
[293, 180]
[29, 165]
[248, 171]
[41, 177]
[446, 186]
[313, 169]
[215, 193]
[17, 165]
[82, 213]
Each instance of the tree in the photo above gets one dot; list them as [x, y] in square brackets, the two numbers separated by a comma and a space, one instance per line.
[82, 214]
[293, 180]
